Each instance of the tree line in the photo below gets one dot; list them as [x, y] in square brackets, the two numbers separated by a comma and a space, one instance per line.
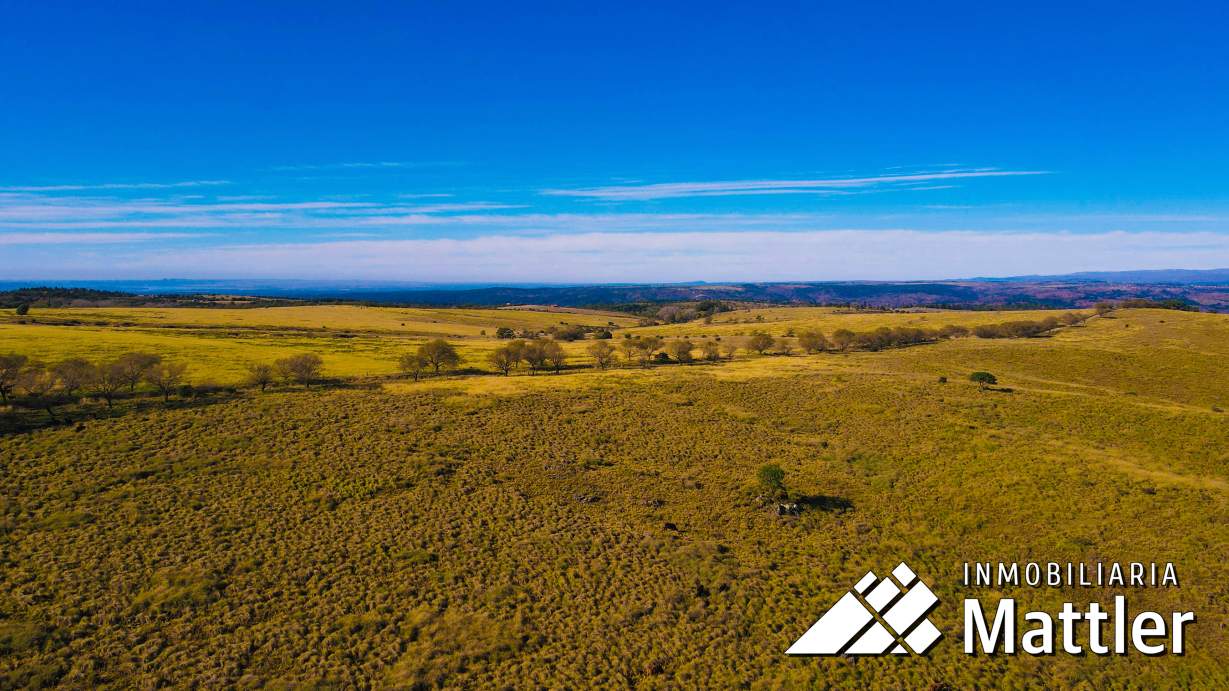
[45, 386]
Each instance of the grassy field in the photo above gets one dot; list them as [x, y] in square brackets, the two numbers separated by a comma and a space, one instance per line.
[601, 528]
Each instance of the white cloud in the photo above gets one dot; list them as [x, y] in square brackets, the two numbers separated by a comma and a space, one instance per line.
[667, 190]
[888, 254]
[116, 186]
[86, 238]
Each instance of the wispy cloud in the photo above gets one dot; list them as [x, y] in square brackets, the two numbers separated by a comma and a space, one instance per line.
[847, 254]
[365, 165]
[29, 211]
[115, 186]
[668, 190]
[87, 238]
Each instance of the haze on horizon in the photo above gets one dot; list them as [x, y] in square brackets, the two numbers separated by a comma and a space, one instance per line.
[545, 144]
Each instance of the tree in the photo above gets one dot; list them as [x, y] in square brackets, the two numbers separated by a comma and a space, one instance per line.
[23, 309]
[603, 354]
[413, 364]
[74, 374]
[38, 383]
[954, 331]
[983, 379]
[534, 354]
[109, 378]
[260, 374]
[502, 359]
[771, 480]
[630, 348]
[555, 354]
[440, 354]
[843, 338]
[133, 367]
[303, 368]
[1103, 308]
[165, 377]
[711, 350]
[760, 342]
[642, 349]
[10, 369]
[785, 347]
[516, 350]
[812, 341]
[680, 350]
[505, 332]
[730, 348]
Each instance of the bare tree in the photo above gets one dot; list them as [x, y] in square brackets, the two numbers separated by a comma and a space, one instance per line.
[413, 364]
[502, 359]
[74, 374]
[555, 354]
[440, 354]
[603, 354]
[39, 383]
[260, 374]
[133, 367]
[730, 348]
[711, 350]
[680, 350]
[165, 376]
[109, 378]
[10, 370]
[303, 368]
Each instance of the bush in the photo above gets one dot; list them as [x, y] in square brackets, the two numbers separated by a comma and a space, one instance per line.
[983, 379]
[771, 480]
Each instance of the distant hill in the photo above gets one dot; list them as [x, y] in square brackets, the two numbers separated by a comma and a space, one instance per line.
[1206, 290]
[1175, 276]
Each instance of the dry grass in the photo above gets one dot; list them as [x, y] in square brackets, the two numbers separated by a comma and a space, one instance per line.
[598, 529]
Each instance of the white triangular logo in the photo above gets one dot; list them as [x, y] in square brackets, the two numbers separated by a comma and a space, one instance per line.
[876, 617]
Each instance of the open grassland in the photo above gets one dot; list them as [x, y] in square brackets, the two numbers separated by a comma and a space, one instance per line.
[601, 528]
[395, 320]
[219, 344]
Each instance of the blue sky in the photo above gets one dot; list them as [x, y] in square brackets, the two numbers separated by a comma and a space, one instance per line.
[567, 142]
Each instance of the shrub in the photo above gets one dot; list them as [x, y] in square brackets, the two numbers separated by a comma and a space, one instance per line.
[771, 479]
[760, 342]
[812, 341]
[680, 350]
[983, 379]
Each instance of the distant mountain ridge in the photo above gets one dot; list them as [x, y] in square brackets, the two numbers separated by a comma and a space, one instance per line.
[1207, 290]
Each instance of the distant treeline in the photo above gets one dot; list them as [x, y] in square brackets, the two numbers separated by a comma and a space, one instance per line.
[34, 384]
[24, 299]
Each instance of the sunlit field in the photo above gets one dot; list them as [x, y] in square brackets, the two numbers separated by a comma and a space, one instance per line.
[597, 528]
